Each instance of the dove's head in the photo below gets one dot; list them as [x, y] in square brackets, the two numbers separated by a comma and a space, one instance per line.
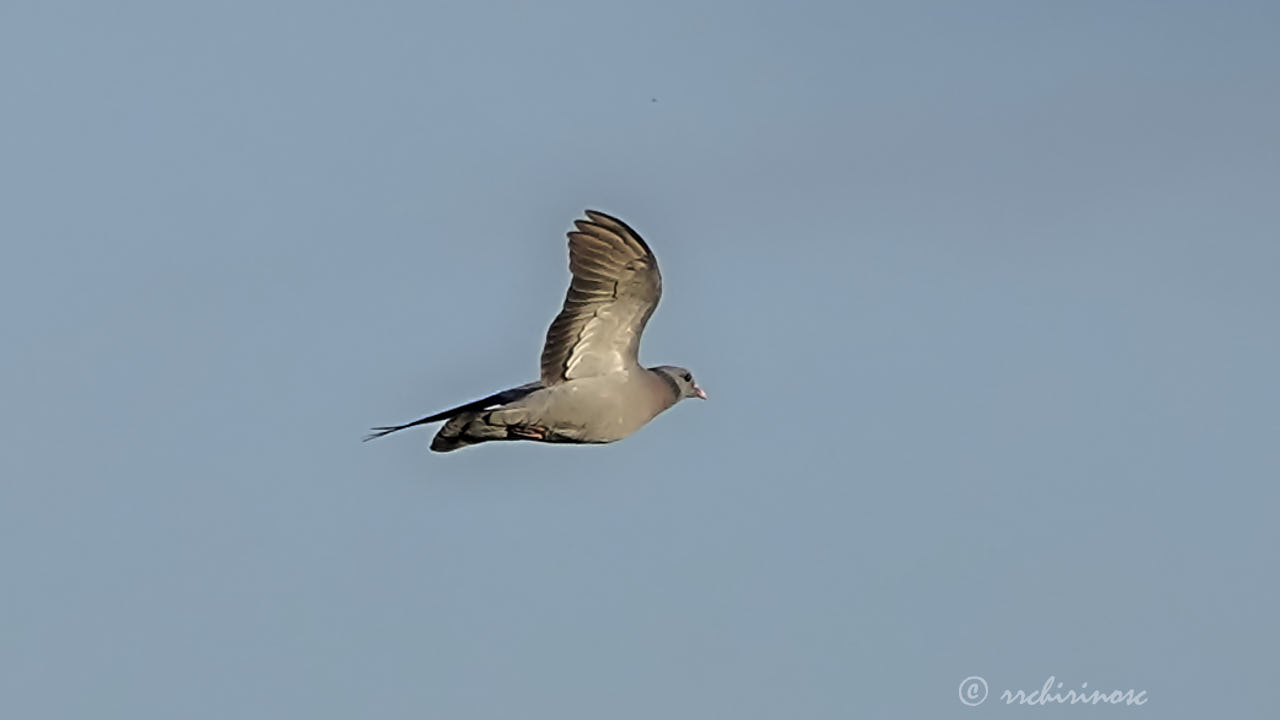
[683, 380]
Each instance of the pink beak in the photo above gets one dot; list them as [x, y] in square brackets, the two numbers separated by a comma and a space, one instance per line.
[700, 392]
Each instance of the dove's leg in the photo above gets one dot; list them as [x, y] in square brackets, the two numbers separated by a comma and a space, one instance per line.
[528, 432]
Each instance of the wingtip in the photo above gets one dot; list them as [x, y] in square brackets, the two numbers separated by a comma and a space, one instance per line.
[597, 215]
[379, 432]
[613, 225]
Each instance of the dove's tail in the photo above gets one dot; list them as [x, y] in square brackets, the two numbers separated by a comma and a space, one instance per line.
[495, 400]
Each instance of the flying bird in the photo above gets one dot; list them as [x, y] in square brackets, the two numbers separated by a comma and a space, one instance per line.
[593, 388]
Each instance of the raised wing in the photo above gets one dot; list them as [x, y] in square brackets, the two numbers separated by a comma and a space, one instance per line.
[615, 288]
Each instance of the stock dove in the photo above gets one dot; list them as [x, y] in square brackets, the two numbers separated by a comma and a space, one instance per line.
[593, 388]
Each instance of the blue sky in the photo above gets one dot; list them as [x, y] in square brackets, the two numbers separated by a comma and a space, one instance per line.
[984, 295]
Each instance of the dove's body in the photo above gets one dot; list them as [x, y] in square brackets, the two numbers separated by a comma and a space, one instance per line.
[593, 389]
[599, 409]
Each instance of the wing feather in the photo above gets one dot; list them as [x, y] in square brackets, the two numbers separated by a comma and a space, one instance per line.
[615, 288]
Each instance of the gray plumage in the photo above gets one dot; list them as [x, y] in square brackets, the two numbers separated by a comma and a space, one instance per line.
[592, 387]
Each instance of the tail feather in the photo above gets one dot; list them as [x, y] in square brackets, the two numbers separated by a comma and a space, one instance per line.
[472, 428]
[446, 441]
[496, 399]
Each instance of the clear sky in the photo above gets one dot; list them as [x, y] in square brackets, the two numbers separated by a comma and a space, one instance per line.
[984, 294]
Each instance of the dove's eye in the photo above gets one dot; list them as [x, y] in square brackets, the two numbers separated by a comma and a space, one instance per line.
[688, 377]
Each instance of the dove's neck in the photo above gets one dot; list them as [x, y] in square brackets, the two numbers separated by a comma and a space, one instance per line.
[668, 383]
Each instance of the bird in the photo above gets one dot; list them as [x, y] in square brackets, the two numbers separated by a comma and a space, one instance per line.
[592, 388]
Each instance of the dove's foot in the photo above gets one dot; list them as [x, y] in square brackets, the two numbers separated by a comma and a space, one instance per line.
[529, 432]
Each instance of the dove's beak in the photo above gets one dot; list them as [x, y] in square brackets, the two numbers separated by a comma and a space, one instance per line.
[700, 392]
